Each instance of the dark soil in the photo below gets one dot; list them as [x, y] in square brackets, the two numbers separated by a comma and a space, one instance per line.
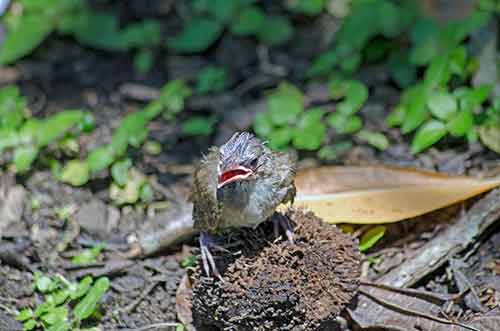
[278, 285]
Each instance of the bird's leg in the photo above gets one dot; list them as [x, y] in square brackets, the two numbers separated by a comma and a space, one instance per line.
[207, 257]
[281, 221]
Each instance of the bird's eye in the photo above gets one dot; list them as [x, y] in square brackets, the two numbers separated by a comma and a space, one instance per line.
[254, 162]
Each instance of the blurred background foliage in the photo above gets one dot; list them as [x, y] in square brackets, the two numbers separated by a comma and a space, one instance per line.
[430, 60]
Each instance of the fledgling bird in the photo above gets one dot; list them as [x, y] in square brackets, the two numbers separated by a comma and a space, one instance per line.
[240, 184]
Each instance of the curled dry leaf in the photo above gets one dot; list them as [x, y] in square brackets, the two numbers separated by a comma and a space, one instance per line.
[381, 194]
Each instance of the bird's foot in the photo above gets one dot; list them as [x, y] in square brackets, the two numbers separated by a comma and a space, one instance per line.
[206, 256]
[281, 221]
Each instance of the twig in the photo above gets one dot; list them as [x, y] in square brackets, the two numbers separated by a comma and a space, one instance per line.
[457, 237]
[155, 325]
[407, 311]
[129, 308]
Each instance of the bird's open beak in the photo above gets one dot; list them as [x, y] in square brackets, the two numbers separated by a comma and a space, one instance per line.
[233, 174]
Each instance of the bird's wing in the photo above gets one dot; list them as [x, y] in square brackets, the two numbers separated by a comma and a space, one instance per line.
[206, 210]
[286, 168]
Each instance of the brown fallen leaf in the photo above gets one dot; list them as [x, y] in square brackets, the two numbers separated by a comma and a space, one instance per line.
[381, 194]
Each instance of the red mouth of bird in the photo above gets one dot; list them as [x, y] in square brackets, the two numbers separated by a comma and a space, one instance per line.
[232, 175]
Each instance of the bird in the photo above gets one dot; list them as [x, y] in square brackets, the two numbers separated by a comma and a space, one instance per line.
[240, 184]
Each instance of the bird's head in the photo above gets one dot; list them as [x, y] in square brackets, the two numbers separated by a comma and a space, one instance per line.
[240, 159]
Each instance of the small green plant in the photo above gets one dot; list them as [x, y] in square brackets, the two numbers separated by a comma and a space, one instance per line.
[241, 17]
[25, 137]
[287, 122]
[132, 132]
[88, 255]
[211, 79]
[34, 21]
[66, 304]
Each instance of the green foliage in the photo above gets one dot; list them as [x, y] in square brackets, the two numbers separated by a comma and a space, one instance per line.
[26, 137]
[288, 123]
[307, 7]
[88, 255]
[371, 237]
[199, 126]
[211, 79]
[241, 17]
[66, 304]
[29, 27]
[368, 19]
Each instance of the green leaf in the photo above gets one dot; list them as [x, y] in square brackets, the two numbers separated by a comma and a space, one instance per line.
[56, 125]
[307, 7]
[416, 111]
[25, 37]
[490, 136]
[24, 157]
[29, 325]
[331, 152]
[43, 283]
[211, 79]
[442, 105]
[130, 193]
[60, 297]
[172, 98]
[275, 30]
[280, 138]
[8, 138]
[55, 316]
[285, 104]
[461, 123]
[471, 99]
[355, 97]
[248, 21]
[429, 134]
[100, 158]
[310, 131]
[60, 326]
[458, 60]
[12, 108]
[323, 64]
[345, 124]
[376, 139]
[24, 315]
[152, 147]
[197, 35]
[75, 172]
[199, 126]
[438, 73]
[87, 255]
[396, 117]
[78, 290]
[119, 171]
[262, 124]
[371, 237]
[134, 127]
[146, 194]
[143, 61]
[88, 305]
[99, 30]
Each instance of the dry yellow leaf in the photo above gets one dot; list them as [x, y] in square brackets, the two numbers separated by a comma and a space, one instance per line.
[380, 194]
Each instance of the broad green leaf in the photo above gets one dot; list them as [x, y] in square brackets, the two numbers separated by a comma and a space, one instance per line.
[211, 79]
[152, 147]
[28, 34]
[323, 64]
[371, 237]
[24, 157]
[130, 193]
[119, 171]
[99, 30]
[60, 326]
[461, 123]
[388, 19]
[172, 98]
[307, 7]
[146, 193]
[199, 126]
[143, 34]
[55, 316]
[416, 112]
[345, 124]
[402, 71]
[248, 21]
[29, 325]
[198, 34]
[134, 127]
[8, 138]
[427, 135]
[490, 136]
[285, 104]
[350, 64]
[75, 172]
[310, 131]
[12, 108]
[356, 94]
[396, 117]
[275, 30]
[280, 138]
[56, 125]
[442, 105]
[438, 73]
[87, 255]
[100, 158]
[78, 290]
[144, 61]
[471, 99]
[88, 305]
[376, 139]
[43, 283]
[24, 315]
[331, 152]
[60, 297]
[262, 124]
[458, 60]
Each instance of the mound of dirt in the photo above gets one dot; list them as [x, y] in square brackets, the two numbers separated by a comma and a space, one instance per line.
[276, 285]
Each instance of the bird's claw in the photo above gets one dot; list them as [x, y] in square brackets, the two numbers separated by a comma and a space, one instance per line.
[207, 257]
[281, 221]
